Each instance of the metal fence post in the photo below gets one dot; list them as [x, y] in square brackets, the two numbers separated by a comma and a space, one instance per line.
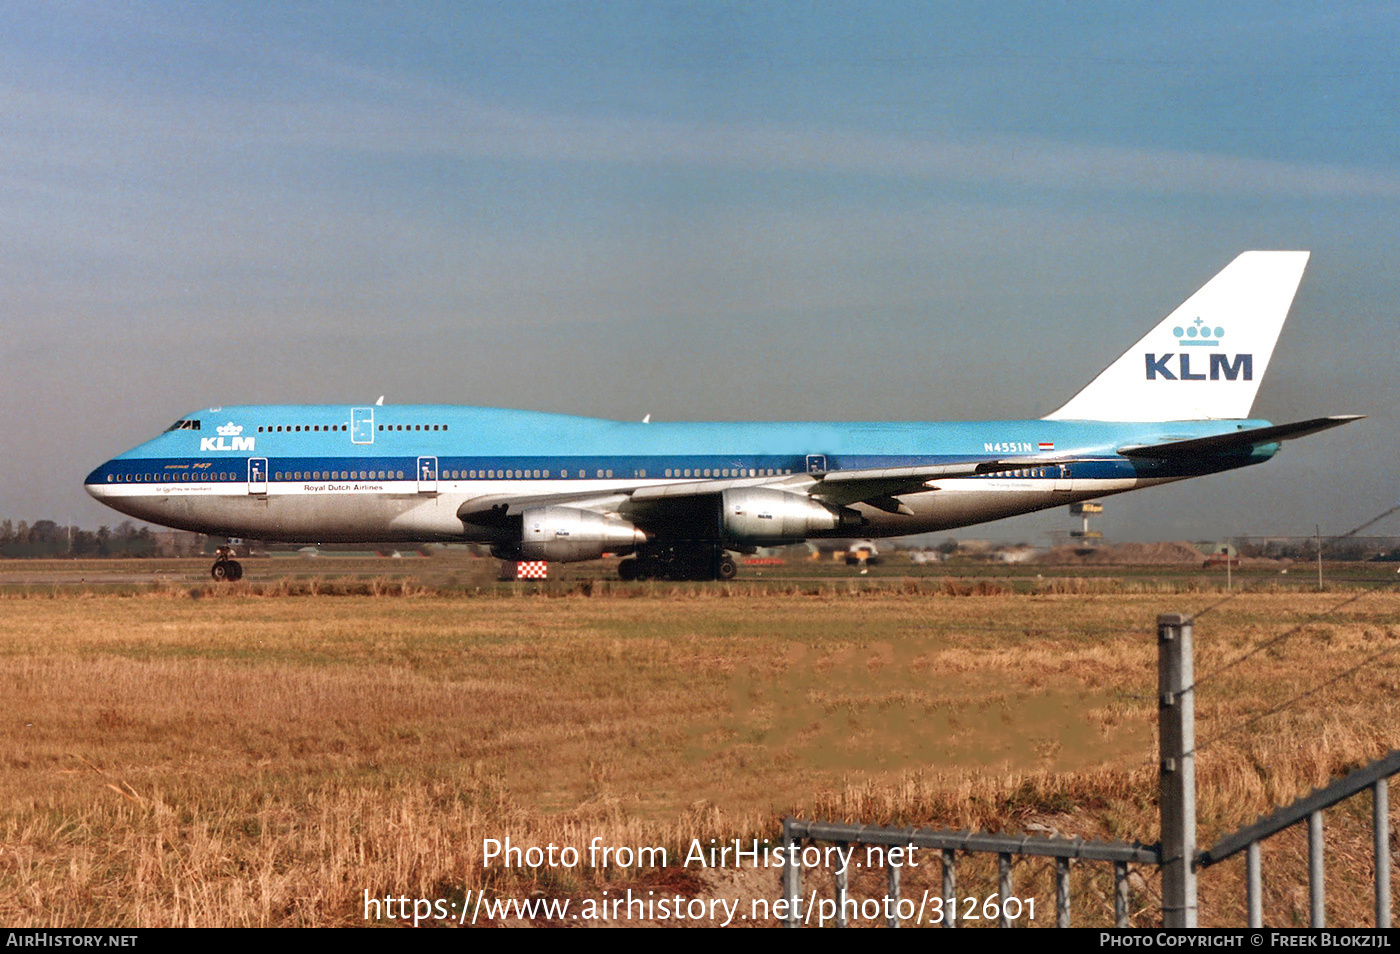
[1254, 885]
[1317, 898]
[1120, 894]
[1062, 892]
[842, 890]
[792, 874]
[1003, 887]
[1380, 817]
[892, 894]
[950, 889]
[1176, 713]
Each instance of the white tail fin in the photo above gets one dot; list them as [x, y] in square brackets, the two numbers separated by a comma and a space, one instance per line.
[1206, 359]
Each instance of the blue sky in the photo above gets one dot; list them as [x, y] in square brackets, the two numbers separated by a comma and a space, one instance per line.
[693, 210]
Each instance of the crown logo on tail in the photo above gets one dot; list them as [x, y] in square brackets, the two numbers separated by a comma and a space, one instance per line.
[1198, 334]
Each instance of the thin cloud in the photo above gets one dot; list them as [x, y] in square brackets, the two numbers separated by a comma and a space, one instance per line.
[106, 136]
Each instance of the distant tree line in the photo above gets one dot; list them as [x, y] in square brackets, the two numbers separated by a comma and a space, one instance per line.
[45, 538]
[1305, 548]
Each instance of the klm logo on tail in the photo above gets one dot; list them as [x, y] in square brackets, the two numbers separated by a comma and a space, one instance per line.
[1241, 368]
[1199, 335]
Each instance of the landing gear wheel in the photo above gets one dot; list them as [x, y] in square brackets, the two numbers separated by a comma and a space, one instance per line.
[226, 569]
[679, 562]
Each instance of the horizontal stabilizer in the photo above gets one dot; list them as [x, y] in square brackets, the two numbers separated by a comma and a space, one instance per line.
[1237, 440]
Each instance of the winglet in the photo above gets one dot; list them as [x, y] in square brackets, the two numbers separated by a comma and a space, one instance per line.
[1206, 359]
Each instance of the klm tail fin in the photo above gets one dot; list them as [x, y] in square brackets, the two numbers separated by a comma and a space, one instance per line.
[1206, 359]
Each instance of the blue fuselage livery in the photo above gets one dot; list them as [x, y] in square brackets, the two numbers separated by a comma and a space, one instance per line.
[299, 473]
[678, 496]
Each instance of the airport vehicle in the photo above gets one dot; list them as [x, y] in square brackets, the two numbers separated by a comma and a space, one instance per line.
[678, 497]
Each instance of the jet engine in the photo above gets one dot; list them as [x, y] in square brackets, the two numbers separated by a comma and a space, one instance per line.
[758, 514]
[567, 534]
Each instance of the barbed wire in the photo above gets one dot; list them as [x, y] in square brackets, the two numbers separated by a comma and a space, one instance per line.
[1218, 603]
[1258, 649]
[1355, 530]
[1276, 640]
[1202, 680]
[1298, 698]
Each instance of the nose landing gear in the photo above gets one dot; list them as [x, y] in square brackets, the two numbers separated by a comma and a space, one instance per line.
[226, 569]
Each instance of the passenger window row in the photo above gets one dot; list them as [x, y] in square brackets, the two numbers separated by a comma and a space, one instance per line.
[339, 475]
[297, 428]
[315, 428]
[727, 472]
[498, 474]
[169, 477]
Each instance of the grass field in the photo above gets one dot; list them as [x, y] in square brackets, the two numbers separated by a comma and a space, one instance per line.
[266, 753]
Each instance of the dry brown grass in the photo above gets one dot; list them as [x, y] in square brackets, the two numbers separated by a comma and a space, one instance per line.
[263, 755]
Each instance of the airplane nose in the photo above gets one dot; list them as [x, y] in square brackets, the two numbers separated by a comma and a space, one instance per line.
[96, 482]
[102, 485]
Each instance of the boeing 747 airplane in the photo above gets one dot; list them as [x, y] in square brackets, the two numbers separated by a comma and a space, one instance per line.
[679, 497]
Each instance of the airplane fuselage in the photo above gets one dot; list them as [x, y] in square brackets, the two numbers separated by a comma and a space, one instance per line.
[678, 496]
[318, 474]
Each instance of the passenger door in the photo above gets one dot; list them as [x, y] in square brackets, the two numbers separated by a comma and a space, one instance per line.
[362, 425]
[257, 475]
[427, 475]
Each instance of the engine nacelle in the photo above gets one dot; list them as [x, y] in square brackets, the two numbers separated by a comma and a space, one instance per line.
[776, 516]
[567, 534]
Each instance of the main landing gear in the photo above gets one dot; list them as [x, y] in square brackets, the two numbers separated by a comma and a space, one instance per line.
[226, 569]
[679, 563]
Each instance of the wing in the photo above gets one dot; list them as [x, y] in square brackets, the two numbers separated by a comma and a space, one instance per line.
[875, 486]
[498, 510]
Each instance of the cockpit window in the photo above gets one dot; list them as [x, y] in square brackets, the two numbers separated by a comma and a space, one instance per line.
[187, 425]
